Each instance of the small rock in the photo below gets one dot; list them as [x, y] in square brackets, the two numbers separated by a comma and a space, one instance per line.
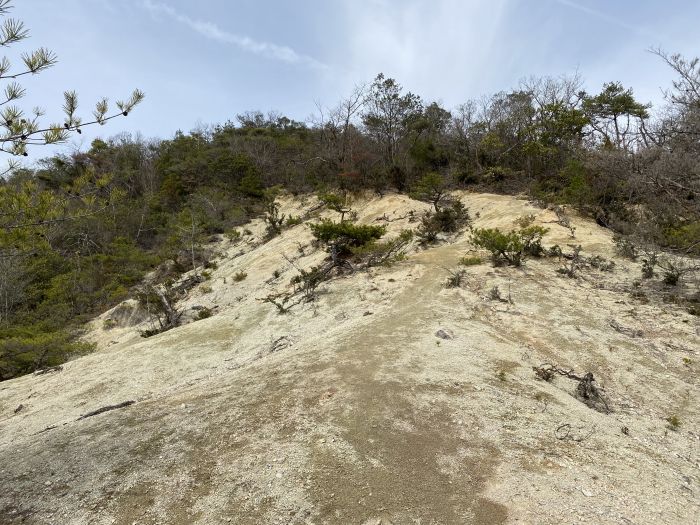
[444, 334]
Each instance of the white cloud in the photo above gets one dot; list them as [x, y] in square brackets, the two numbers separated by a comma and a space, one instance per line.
[607, 18]
[214, 32]
[440, 50]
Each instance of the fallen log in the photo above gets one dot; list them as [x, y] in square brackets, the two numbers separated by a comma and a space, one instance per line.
[48, 370]
[106, 409]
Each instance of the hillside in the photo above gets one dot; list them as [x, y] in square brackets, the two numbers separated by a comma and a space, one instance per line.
[391, 399]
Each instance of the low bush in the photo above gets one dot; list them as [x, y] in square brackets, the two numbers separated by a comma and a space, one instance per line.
[342, 237]
[674, 422]
[455, 279]
[532, 240]
[505, 248]
[675, 268]
[293, 221]
[601, 263]
[307, 281]
[471, 261]
[575, 262]
[384, 253]
[510, 248]
[234, 235]
[648, 264]
[524, 221]
[273, 219]
[335, 202]
[554, 251]
[446, 220]
[203, 313]
[625, 247]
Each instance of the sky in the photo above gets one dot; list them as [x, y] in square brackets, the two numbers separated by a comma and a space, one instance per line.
[203, 62]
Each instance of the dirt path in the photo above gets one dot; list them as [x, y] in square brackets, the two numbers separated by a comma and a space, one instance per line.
[401, 447]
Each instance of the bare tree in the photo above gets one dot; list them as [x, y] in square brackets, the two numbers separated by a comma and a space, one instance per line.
[338, 128]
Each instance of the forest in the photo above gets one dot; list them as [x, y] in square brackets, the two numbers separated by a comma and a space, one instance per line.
[79, 231]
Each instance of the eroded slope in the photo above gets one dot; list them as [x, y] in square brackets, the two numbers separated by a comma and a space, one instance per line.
[351, 410]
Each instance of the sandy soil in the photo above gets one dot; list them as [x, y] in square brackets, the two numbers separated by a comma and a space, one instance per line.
[352, 410]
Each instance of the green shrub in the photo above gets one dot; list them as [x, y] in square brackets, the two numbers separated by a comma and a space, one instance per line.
[307, 281]
[524, 221]
[471, 261]
[576, 189]
[335, 202]
[239, 276]
[203, 313]
[446, 220]
[671, 277]
[343, 237]
[532, 240]
[504, 247]
[26, 349]
[684, 237]
[273, 219]
[674, 422]
[384, 253]
[510, 248]
[234, 235]
[293, 221]
[150, 332]
[432, 188]
[554, 251]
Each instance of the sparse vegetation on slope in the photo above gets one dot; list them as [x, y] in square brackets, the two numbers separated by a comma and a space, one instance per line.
[164, 204]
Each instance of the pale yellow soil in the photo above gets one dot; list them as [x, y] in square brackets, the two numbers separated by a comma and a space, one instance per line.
[360, 414]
